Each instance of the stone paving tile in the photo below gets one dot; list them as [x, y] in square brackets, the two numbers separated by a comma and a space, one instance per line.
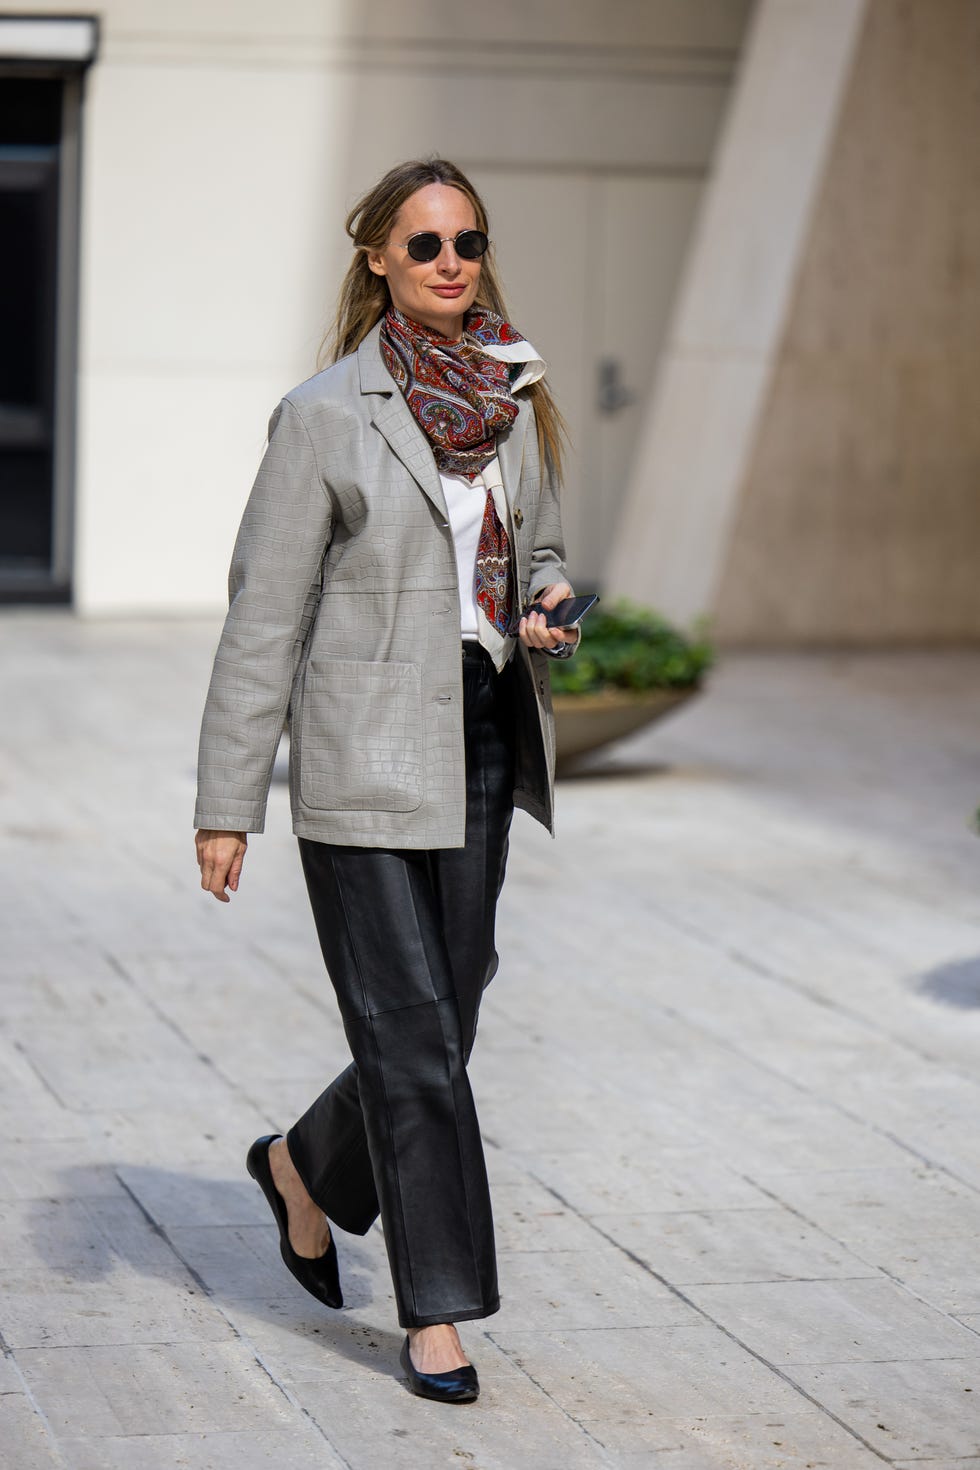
[27, 1443]
[529, 1218]
[185, 1140]
[745, 999]
[40, 1310]
[600, 1288]
[139, 1059]
[968, 1463]
[235, 1260]
[646, 1178]
[859, 1320]
[689, 1246]
[195, 1196]
[296, 1447]
[93, 1271]
[922, 1410]
[943, 1272]
[808, 1440]
[162, 1388]
[671, 1373]
[43, 1168]
[303, 1339]
[192, 992]
[373, 1420]
[889, 1209]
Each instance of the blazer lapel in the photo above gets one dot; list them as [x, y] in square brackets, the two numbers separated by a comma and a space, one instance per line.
[393, 419]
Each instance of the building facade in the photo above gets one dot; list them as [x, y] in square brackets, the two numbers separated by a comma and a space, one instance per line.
[217, 149]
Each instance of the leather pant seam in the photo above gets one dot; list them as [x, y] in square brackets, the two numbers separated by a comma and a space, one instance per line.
[452, 1092]
[433, 1000]
[462, 1038]
[384, 1091]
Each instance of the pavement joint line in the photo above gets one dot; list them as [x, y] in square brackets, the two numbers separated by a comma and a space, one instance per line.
[582, 1428]
[906, 1287]
[832, 1004]
[240, 1336]
[290, 1397]
[719, 1326]
[798, 987]
[19, 1046]
[176, 1030]
[803, 1088]
[808, 1091]
[28, 1394]
[882, 1270]
[608, 1084]
[854, 937]
[159, 1230]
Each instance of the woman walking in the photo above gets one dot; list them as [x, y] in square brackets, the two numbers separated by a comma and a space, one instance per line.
[405, 509]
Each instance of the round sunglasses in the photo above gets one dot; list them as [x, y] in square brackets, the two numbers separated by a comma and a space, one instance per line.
[468, 244]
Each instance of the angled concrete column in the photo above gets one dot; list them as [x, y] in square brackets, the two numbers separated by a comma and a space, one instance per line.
[673, 533]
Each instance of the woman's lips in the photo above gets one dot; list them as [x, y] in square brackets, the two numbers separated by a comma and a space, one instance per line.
[448, 291]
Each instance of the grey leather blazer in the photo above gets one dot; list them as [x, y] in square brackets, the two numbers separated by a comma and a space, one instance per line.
[344, 621]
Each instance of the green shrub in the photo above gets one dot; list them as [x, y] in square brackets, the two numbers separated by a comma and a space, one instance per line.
[628, 647]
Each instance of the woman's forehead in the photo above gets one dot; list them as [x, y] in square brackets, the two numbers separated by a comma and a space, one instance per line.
[437, 205]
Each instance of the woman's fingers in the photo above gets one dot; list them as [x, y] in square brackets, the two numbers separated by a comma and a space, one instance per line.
[534, 631]
[553, 595]
[220, 856]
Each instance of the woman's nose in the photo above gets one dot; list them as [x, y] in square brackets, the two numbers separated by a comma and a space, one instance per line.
[448, 259]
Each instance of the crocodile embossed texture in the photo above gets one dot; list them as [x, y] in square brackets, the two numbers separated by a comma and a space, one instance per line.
[343, 619]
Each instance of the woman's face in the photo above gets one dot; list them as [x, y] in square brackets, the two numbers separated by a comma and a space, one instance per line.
[433, 292]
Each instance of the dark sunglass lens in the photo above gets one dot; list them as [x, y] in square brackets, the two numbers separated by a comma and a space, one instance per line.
[471, 244]
[425, 246]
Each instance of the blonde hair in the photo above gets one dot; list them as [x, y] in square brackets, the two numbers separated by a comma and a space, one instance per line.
[364, 297]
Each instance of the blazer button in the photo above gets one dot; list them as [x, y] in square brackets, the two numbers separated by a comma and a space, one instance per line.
[518, 518]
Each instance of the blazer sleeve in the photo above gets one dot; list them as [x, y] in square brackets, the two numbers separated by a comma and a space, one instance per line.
[272, 586]
[548, 554]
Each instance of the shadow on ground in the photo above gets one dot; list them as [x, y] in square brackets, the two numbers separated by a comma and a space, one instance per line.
[954, 984]
[236, 1265]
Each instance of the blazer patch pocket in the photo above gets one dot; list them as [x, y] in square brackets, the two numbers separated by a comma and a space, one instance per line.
[361, 736]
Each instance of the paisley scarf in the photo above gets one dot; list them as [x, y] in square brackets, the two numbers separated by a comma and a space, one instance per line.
[459, 395]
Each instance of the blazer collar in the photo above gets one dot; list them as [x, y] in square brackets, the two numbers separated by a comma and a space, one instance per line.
[394, 419]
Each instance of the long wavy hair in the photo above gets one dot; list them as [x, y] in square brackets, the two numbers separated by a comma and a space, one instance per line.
[364, 297]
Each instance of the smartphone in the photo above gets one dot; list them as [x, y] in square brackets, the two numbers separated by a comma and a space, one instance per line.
[567, 614]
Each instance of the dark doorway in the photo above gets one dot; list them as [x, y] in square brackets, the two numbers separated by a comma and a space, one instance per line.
[30, 132]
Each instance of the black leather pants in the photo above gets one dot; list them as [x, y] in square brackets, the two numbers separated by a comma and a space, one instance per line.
[408, 939]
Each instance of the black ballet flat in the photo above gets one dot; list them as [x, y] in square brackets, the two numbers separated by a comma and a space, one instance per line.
[320, 1274]
[461, 1386]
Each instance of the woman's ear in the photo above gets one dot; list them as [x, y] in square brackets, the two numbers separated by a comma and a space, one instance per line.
[375, 260]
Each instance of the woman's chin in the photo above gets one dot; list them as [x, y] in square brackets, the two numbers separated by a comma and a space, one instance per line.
[441, 313]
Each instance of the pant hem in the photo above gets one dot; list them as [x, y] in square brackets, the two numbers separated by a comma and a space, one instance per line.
[467, 1314]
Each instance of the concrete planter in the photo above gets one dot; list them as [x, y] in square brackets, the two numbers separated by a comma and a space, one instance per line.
[584, 722]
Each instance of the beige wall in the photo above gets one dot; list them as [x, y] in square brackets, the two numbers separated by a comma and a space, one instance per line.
[224, 141]
[859, 514]
[672, 537]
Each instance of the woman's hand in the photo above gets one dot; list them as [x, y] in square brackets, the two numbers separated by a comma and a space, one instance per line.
[534, 631]
[220, 856]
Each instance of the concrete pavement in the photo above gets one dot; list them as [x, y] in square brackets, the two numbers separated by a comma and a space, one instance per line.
[728, 1078]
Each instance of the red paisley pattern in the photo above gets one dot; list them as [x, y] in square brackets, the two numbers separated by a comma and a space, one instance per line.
[461, 399]
[459, 395]
[494, 583]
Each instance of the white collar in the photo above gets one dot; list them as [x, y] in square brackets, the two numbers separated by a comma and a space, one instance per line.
[535, 367]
